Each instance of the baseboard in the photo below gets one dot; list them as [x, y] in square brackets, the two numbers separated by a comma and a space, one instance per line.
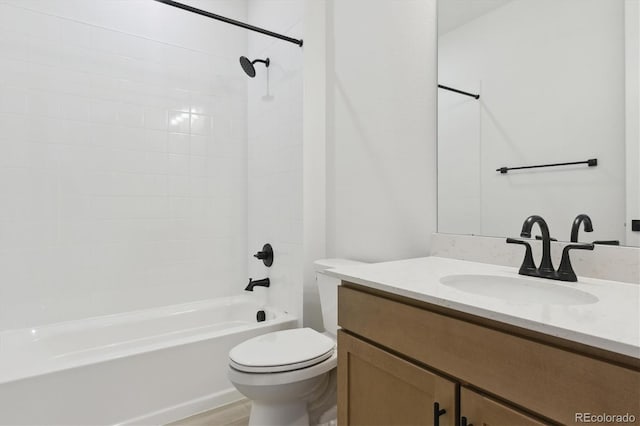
[186, 409]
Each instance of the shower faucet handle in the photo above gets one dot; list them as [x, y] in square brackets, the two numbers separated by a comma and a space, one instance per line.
[266, 255]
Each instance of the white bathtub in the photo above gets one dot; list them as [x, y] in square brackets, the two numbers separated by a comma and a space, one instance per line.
[144, 367]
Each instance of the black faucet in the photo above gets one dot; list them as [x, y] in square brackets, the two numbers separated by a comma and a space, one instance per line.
[546, 269]
[565, 271]
[257, 283]
[588, 226]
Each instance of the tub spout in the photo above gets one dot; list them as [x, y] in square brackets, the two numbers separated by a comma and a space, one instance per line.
[257, 283]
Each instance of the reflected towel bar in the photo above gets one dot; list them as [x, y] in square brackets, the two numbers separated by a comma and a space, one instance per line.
[451, 89]
[230, 21]
[591, 163]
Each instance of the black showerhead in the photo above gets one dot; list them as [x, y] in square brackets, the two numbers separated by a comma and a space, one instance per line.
[247, 65]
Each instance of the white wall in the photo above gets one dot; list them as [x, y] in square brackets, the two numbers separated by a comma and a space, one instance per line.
[381, 128]
[314, 154]
[551, 78]
[122, 157]
[459, 160]
[275, 153]
[632, 77]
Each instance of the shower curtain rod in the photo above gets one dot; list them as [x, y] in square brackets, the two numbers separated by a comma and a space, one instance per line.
[451, 89]
[230, 21]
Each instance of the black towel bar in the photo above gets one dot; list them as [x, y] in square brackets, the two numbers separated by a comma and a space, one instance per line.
[592, 162]
[462, 92]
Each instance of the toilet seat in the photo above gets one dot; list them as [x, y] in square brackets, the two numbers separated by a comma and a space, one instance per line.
[282, 351]
[284, 378]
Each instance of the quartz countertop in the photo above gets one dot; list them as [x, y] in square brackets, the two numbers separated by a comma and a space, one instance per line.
[612, 322]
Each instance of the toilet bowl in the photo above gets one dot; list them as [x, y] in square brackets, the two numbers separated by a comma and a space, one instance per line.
[290, 375]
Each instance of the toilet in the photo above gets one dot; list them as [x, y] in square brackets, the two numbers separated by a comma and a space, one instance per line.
[290, 375]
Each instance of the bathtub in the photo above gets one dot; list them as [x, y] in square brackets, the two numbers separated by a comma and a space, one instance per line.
[144, 367]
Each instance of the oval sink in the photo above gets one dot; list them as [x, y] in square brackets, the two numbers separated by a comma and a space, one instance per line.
[519, 290]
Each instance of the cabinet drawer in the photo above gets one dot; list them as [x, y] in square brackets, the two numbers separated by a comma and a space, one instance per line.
[552, 382]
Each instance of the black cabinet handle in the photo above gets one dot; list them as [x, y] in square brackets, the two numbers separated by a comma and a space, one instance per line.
[437, 412]
[463, 422]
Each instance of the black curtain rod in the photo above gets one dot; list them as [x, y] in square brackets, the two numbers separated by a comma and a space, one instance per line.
[451, 89]
[230, 21]
[592, 162]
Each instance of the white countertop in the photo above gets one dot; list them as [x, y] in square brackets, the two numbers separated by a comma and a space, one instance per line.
[611, 323]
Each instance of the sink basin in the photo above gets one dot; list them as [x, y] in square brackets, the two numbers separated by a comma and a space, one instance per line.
[519, 290]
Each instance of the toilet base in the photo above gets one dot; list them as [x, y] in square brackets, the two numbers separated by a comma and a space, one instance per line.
[308, 402]
[270, 414]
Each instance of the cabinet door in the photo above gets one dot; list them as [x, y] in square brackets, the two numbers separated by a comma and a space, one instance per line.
[378, 388]
[478, 410]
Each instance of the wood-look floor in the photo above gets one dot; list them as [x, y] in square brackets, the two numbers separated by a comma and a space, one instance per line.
[234, 414]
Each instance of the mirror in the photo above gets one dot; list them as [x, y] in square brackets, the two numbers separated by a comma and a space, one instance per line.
[558, 83]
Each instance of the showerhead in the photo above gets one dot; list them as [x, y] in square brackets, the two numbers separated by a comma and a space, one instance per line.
[247, 65]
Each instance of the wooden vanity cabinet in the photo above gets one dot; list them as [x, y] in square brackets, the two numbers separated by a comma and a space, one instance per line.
[377, 388]
[479, 410]
[397, 357]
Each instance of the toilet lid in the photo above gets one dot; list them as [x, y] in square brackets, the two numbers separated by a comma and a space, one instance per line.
[280, 351]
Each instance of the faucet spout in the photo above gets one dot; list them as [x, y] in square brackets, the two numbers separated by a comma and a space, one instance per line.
[546, 265]
[257, 283]
[580, 219]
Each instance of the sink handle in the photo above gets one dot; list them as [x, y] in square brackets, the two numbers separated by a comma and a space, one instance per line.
[565, 271]
[528, 266]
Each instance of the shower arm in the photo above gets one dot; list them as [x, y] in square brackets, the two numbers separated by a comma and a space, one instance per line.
[230, 21]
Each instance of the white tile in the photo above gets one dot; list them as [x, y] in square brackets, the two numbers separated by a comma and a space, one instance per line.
[199, 145]
[155, 118]
[104, 111]
[74, 107]
[178, 164]
[13, 100]
[100, 192]
[201, 124]
[178, 143]
[44, 103]
[131, 115]
[179, 122]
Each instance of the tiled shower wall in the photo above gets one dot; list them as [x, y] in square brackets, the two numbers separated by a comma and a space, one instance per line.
[123, 175]
[275, 152]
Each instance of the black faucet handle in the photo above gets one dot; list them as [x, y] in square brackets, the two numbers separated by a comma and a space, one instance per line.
[565, 271]
[539, 237]
[516, 241]
[266, 255]
[585, 246]
[528, 266]
[608, 242]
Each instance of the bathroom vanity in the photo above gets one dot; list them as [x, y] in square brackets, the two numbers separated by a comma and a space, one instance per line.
[415, 349]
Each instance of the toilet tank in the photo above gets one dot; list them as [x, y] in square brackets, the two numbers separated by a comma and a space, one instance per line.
[328, 289]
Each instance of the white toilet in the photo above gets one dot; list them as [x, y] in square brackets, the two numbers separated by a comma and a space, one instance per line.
[290, 375]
